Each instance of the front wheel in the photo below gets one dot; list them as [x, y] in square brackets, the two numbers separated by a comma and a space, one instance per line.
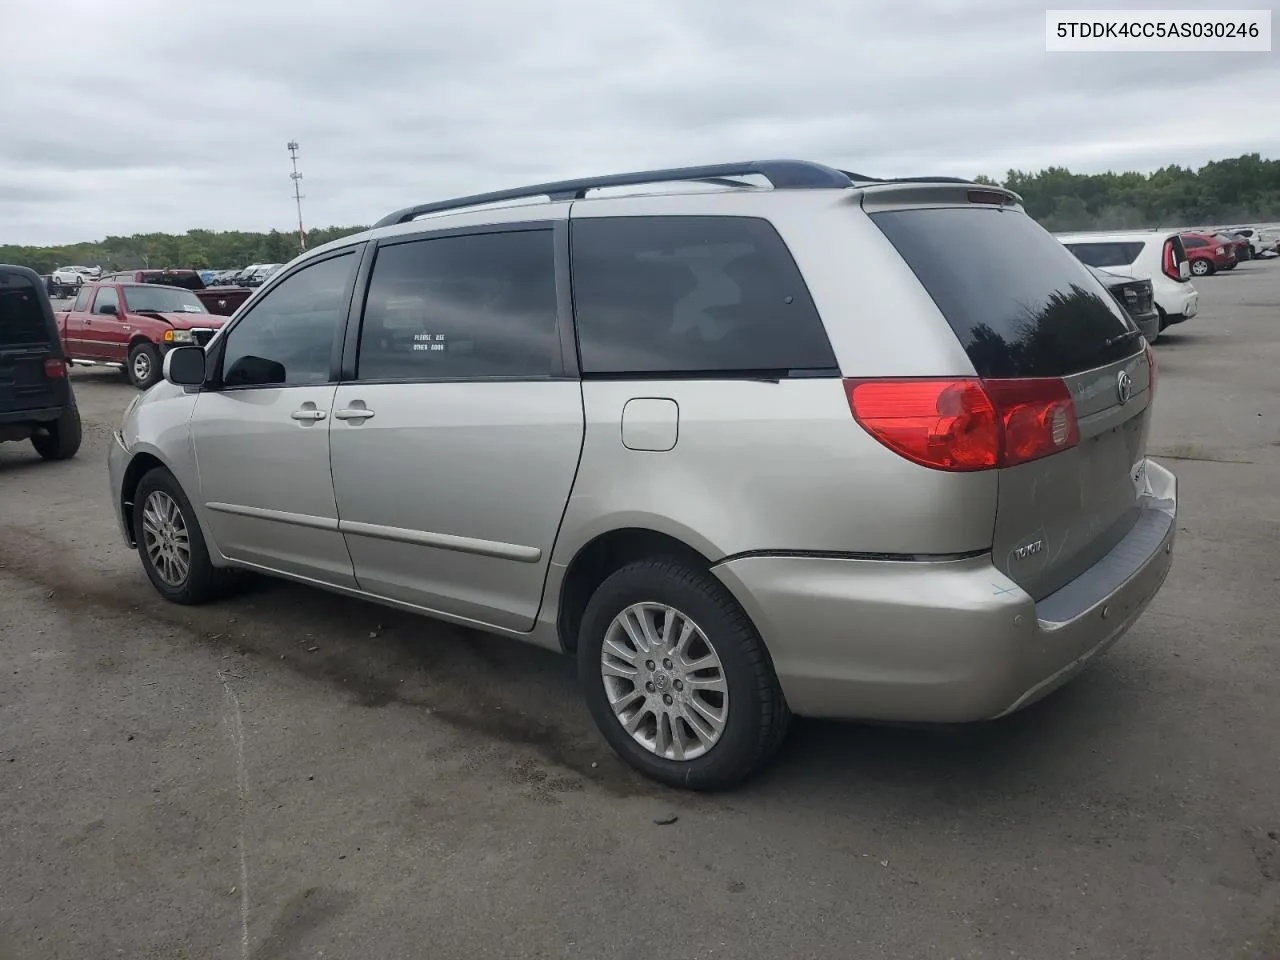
[144, 365]
[1201, 268]
[677, 678]
[170, 544]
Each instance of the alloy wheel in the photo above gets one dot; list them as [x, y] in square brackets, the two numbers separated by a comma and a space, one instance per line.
[165, 538]
[664, 681]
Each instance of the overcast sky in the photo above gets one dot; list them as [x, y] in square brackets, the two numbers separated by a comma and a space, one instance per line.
[131, 116]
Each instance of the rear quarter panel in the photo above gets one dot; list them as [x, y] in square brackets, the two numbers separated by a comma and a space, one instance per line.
[760, 466]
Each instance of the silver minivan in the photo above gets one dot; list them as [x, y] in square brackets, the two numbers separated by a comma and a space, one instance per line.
[750, 440]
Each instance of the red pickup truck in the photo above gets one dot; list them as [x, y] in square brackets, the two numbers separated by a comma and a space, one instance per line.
[132, 326]
[219, 300]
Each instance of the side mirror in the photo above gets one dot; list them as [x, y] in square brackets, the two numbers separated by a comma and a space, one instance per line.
[110, 309]
[254, 371]
[184, 366]
[1184, 270]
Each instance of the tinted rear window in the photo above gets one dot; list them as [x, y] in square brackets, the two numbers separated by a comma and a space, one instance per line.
[1107, 254]
[691, 295]
[1018, 301]
[187, 281]
[21, 314]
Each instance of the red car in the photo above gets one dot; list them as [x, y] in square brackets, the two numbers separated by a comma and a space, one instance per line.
[132, 325]
[1208, 253]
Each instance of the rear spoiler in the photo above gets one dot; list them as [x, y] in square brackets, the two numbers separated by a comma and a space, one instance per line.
[933, 192]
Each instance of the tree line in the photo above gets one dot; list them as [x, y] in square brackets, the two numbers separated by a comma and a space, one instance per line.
[1245, 189]
[1241, 190]
[198, 249]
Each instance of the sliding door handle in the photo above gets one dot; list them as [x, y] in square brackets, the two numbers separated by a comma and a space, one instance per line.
[353, 413]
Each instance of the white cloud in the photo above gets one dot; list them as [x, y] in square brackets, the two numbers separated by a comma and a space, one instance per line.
[145, 115]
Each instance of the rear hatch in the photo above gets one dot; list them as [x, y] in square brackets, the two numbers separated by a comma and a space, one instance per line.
[1035, 323]
[25, 345]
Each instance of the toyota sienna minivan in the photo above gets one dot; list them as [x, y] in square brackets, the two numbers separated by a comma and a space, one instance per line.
[748, 440]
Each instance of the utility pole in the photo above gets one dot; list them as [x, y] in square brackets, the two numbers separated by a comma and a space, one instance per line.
[296, 177]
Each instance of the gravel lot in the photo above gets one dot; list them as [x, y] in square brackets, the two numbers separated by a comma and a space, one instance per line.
[291, 774]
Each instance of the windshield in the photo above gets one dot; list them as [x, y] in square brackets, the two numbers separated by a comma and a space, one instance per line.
[162, 300]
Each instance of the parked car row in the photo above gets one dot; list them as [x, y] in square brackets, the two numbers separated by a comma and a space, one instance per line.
[1261, 239]
[251, 276]
[1156, 256]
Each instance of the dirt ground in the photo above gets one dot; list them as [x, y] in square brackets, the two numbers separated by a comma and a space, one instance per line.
[290, 774]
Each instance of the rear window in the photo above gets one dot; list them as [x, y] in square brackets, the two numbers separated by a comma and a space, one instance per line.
[188, 281]
[21, 314]
[1107, 254]
[689, 296]
[1018, 301]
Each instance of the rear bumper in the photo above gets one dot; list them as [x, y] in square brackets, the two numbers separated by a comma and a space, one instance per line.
[37, 415]
[1178, 301]
[1149, 324]
[949, 641]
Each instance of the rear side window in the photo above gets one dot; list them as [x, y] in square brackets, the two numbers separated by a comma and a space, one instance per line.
[691, 295]
[1191, 243]
[21, 314]
[1107, 254]
[82, 298]
[187, 281]
[1018, 301]
[462, 307]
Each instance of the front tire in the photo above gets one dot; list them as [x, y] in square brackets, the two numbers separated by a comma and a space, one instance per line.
[144, 368]
[60, 440]
[677, 677]
[170, 544]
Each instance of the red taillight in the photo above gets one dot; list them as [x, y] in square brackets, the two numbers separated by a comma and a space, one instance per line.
[1151, 370]
[967, 424]
[1170, 265]
[55, 368]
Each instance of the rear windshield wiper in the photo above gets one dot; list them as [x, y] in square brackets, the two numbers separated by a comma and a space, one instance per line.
[1122, 337]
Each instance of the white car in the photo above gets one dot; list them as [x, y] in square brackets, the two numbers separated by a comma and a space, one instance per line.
[1261, 240]
[1155, 255]
[70, 276]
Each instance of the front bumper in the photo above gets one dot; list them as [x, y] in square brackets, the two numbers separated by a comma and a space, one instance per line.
[951, 641]
[117, 466]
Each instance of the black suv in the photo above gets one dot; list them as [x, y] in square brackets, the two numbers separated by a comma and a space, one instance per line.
[36, 401]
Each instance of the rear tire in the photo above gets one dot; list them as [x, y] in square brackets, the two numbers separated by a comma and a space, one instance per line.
[170, 544]
[144, 368]
[752, 712]
[61, 439]
[1201, 268]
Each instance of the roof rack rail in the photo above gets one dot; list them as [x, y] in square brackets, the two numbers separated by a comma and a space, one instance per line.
[782, 174]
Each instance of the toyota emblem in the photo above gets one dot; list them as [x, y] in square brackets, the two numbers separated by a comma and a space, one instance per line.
[1124, 386]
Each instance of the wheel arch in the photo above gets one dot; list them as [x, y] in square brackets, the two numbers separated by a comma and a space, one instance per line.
[603, 555]
[144, 459]
[138, 338]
